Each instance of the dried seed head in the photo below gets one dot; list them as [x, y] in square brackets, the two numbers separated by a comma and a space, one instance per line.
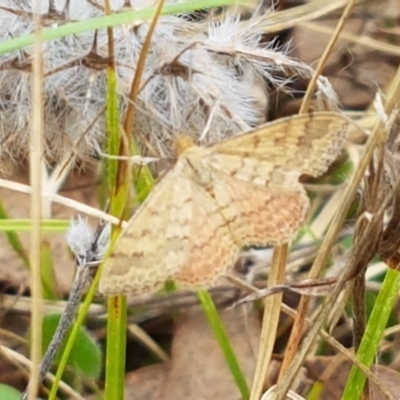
[194, 70]
[88, 246]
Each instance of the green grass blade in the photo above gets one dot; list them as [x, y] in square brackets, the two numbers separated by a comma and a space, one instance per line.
[50, 289]
[112, 134]
[24, 225]
[223, 340]
[13, 238]
[93, 24]
[373, 333]
[118, 184]
[116, 348]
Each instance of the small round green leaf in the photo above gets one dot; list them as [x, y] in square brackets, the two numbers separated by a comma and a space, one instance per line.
[85, 355]
[9, 393]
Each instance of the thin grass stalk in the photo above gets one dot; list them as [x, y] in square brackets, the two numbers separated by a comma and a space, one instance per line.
[14, 356]
[298, 324]
[67, 202]
[36, 206]
[24, 225]
[118, 189]
[218, 329]
[365, 41]
[118, 193]
[116, 348]
[377, 322]
[305, 104]
[272, 308]
[144, 180]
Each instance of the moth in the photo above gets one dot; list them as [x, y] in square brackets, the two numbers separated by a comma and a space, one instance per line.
[243, 191]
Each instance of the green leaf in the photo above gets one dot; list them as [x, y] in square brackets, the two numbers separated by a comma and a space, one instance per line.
[9, 393]
[377, 322]
[85, 356]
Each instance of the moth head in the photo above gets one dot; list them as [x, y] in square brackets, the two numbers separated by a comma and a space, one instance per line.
[182, 143]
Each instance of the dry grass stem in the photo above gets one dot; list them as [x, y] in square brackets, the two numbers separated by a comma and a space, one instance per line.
[36, 165]
[298, 325]
[321, 258]
[272, 307]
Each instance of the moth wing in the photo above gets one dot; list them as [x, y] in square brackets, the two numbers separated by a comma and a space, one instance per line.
[154, 245]
[306, 143]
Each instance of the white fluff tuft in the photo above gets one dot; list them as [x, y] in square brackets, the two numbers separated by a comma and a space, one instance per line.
[193, 70]
[88, 246]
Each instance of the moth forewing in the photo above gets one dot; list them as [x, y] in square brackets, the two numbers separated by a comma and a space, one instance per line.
[152, 247]
[306, 143]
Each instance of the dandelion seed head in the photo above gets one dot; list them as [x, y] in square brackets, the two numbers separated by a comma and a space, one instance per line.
[193, 69]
